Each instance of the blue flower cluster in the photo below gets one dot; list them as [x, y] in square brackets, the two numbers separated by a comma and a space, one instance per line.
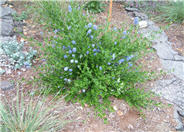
[136, 21]
[71, 57]
[127, 58]
[94, 48]
[90, 28]
[69, 8]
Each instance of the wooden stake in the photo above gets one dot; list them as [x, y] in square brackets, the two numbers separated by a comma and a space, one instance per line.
[110, 11]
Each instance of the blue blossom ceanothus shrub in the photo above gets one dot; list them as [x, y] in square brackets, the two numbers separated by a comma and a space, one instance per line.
[90, 63]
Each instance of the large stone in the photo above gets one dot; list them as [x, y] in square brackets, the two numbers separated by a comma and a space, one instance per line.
[175, 67]
[6, 85]
[2, 71]
[143, 24]
[7, 26]
[7, 38]
[142, 16]
[171, 89]
[6, 11]
[178, 58]
[6, 18]
[2, 2]
[180, 126]
[164, 51]
[131, 9]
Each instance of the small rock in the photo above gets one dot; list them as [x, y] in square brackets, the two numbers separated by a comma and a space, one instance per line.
[11, 6]
[112, 115]
[142, 16]
[7, 26]
[18, 30]
[143, 24]
[8, 71]
[181, 113]
[1, 51]
[131, 9]
[22, 40]
[130, 126]
[6, 85]
[23, 69]
[19, 73]
[2, 71]
[2, 2]
[34, 61]
[6, 11]
[131, 14]
[180, 126]
[115, 108]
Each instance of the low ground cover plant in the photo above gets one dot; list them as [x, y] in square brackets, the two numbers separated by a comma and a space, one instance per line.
[90, 63]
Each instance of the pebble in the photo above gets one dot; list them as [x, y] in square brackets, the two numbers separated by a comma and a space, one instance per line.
[143, 24]
[23, 69]
[112, 115]
[2, 71]
[8, 71]
[131, 9]
[19, 73]
[115, 108]
[130, 126]
[34, 61]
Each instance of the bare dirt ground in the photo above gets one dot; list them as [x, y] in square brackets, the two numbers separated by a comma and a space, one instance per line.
[125, 118]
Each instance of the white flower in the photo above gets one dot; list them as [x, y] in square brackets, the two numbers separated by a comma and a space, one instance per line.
[69, 80]
[72, 61]
[113, 56]
[83, 90]
[81, 56]
[76, 61]
[66, 69]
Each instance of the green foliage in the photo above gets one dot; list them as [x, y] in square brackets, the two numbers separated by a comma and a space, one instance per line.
[37, 115]
[172, 12]
[94, 6]
[21, 17]
[90, 63]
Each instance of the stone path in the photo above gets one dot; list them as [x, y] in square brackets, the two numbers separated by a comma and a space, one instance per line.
[172, 88]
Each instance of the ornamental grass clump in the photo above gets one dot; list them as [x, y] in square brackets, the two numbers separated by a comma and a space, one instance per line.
[90, 63]
[30, 115]
[172, 11]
